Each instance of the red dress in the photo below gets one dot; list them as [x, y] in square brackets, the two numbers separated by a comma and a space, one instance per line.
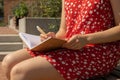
[84, 17]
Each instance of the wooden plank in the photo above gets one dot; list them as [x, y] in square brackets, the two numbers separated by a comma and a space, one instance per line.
[111, 77]
[114, 75]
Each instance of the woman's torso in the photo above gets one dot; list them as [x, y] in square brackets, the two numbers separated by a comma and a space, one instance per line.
[88, 16]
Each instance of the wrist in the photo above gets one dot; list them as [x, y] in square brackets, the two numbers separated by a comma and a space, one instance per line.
[88, 39]
[59, 36]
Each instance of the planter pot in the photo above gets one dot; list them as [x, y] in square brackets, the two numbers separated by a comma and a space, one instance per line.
[14, 23]
[28, 24]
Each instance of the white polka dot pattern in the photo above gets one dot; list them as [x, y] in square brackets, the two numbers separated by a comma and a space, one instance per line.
[87, 16]
[83, 17]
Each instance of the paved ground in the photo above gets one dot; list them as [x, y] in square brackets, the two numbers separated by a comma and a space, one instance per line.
[5, 30]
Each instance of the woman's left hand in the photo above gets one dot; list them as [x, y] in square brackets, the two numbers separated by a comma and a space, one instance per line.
[76, 42]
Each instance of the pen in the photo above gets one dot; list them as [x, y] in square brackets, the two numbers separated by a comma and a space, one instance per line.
[40, 30]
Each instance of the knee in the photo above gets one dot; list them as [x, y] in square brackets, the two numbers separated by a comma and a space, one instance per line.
[7, 61]
[18, 73]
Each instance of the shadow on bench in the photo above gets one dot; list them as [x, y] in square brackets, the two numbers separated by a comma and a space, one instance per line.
[114, 75]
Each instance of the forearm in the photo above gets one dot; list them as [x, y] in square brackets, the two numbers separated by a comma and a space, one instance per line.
[62, 30]
[109, 35]
[60, 34]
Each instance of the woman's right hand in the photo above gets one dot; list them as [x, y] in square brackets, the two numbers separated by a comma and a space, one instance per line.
[45, 36]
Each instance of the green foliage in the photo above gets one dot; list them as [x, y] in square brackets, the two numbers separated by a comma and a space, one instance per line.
[20, 10]
[45, 8]
[53, 27]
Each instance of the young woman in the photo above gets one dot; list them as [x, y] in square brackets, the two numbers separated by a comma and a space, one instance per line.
[92, 31]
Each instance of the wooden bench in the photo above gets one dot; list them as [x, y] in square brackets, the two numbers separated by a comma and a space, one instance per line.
[114, 75]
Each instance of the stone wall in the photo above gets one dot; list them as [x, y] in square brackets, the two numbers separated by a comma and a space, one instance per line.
[28, 24]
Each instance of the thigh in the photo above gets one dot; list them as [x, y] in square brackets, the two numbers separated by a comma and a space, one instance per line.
[37, 68]
[16, 57]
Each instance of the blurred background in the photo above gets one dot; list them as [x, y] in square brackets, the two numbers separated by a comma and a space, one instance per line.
[1, 13]
[28, 8]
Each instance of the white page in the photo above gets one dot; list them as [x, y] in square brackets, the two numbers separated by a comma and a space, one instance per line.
[30, 40]
[33, 42]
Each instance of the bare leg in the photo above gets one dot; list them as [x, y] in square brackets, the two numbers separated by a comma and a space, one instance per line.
[12, 59]
[36, 68]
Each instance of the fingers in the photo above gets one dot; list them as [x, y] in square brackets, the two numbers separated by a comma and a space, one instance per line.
[51, 34]
[76, 42]
[45, 36]
[72, 44]
[73, 47]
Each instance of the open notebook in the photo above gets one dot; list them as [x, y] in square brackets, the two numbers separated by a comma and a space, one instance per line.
[33, 42]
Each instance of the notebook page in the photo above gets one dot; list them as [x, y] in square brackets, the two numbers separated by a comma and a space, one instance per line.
[30, 40]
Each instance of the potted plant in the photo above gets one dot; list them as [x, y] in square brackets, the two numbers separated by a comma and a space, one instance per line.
[43, 13]
[47, 9]
[20, 11]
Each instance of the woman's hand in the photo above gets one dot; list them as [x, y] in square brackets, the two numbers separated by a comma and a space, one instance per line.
[76, 42]
[45, 36]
